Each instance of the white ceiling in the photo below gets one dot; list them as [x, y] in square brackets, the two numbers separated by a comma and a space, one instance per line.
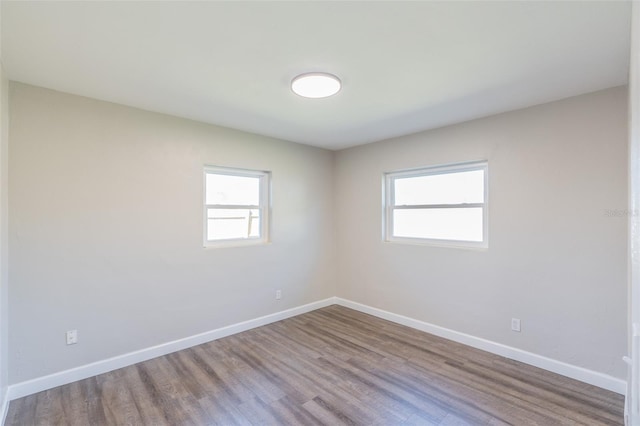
[405, 66]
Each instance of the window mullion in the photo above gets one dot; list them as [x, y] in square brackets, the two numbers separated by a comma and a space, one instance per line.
[232, 206]
[439, 206]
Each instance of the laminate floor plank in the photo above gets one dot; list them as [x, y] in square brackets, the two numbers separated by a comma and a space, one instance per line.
[478, 386]
[537, 398]
[259, 413]
[315, 379]
[390, 393]
[74, 402]
[222, 373]
[44, 410]
[332, 366]
[294, 413]
[426, 398]
[307, 386]
[328, 414]
[120, 407]
[149, 413]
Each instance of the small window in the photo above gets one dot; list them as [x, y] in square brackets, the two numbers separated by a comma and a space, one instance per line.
[235, 206]
[442, 205]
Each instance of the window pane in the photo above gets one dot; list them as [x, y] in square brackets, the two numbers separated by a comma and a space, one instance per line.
[230, 190]
[231, 224]
[464, 224]
[449, 188]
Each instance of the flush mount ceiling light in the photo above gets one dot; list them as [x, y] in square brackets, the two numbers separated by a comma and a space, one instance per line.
[316, 85]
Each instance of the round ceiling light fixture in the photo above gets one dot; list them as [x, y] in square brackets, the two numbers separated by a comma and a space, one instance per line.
[316, 85]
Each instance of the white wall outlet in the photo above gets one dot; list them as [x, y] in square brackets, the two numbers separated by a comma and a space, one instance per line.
[72, 337]
[278, 294]
[515, 324]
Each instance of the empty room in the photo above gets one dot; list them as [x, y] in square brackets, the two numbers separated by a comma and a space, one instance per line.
[319, 213]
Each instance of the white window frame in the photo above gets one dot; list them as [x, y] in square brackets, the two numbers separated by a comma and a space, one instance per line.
[389, 201]
[264, 206]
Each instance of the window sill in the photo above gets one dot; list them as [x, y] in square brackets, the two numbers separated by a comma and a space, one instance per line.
[235, 243]
[484, 246]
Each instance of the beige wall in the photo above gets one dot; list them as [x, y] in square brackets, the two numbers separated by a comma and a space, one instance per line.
[106, 222]
[555, 259]
[106, 230]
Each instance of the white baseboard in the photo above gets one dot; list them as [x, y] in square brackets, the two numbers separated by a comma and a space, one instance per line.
[39, 384]
[578, 373]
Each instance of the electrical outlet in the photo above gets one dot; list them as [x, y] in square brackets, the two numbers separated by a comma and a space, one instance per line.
[278, 294]
[72, 337]
[515, 324]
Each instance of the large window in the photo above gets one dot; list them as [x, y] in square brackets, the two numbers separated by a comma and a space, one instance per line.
[236, 206]
[442, 205]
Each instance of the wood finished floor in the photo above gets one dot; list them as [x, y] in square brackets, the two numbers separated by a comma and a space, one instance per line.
[332, 366]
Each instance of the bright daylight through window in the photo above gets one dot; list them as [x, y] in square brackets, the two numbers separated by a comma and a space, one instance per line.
[236, 206]
[442, 205]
